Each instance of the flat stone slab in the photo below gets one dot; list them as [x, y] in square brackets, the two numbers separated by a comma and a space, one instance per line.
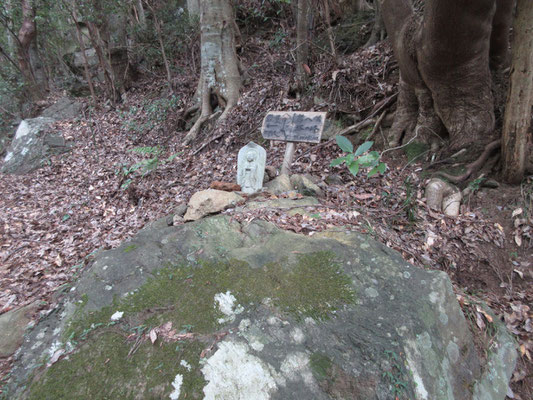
[243, 310]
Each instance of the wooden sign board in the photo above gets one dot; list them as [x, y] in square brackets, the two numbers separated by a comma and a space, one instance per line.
[294, 126]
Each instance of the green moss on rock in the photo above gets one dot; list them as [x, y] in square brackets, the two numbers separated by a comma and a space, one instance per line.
[314, 286]
[102, 366]
[102, 369]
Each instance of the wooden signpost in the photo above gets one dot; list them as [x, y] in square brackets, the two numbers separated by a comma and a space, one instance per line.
[293, 127]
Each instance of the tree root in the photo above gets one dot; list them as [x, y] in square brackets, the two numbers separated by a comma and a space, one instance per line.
[474, 166]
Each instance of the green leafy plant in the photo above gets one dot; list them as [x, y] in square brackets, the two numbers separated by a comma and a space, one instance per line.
[360, 158]
[143, 167]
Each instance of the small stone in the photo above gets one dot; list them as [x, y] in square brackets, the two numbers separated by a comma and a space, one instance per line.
[271, 171]
[176, 220]
[180, 210]
[210, 201]
[490, 183]
[279, 185]
[305, 186]
[333, 179]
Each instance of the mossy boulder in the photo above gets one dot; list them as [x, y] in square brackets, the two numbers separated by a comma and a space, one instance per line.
[222, 309]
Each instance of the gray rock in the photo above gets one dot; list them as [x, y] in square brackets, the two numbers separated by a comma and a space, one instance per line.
[333, 315]
[279, 185]
[334, 179]
[180, 210]
[79, 60]
[210, 201]
[331, 129]
[33, 144]
[12, 325]
[64, 108]
[305, 186]
[28, 149]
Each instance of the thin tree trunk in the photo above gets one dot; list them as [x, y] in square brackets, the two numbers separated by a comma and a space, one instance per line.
[101, 52]
[378, 29]
[517, 127]
[85, 62]
[329, 29]
[11, 45]
[26, 36]
[138, 5]
[302, 46]
[157, 25]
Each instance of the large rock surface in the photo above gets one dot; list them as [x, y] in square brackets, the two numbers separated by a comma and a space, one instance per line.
[35, 142]
[64, 108]
[28, 147]
[248, 311]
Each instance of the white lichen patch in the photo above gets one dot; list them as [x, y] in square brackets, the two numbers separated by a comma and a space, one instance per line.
[233, 373]
[297, 336]
[185, 365]
[412, 356]
[22, 130]
[54, 348]
[116, 316]
[296, 365]
[178, 381]
[371, 292]
[226, 305]
[256, 344]
[244, 325]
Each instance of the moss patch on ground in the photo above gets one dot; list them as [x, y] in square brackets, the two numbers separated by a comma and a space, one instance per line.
[314, 285]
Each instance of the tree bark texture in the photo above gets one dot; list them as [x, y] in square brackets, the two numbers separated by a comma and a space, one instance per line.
[302, 46]
[517, 124]
[26, 52]
[219, 76]
[443, 55]
[378, 29]
[193, 8]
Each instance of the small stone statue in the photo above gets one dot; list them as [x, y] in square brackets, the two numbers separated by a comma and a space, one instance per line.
[251, 168]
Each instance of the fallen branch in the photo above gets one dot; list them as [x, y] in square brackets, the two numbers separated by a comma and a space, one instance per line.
[386, 103]
[474, 166]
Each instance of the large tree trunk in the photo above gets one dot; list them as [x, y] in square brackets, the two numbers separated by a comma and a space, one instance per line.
[499, 37]
[220, 77]
[443, 56]
[517, 125]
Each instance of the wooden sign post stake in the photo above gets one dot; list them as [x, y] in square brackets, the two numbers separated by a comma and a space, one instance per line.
[287, 159]
[293, 127]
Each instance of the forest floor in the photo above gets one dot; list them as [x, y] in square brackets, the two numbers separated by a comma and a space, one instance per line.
[53, 220]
